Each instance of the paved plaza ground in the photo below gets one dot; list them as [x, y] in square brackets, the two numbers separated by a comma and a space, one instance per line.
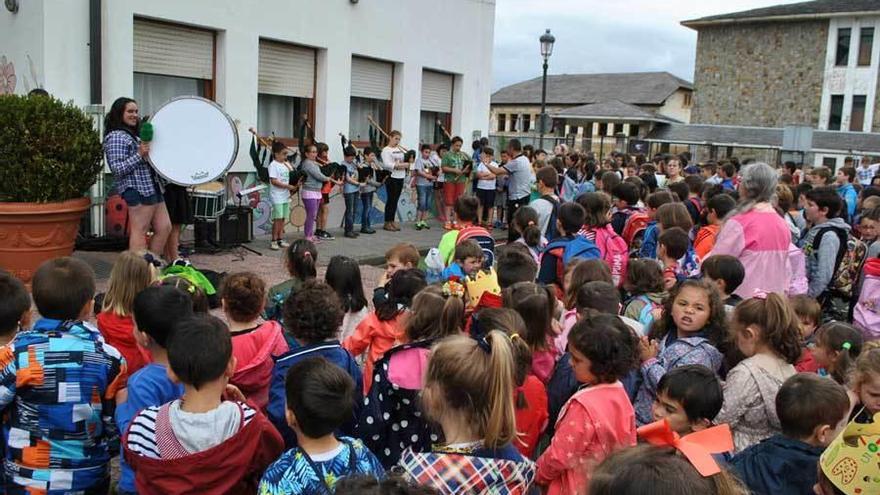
[368, 250]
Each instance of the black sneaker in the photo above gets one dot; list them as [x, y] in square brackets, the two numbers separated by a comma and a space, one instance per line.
[351, 234]
[367, 230]
[326, 235]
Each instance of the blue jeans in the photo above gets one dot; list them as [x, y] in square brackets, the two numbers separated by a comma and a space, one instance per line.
[426, 195]
[350, 206]
[366, 207]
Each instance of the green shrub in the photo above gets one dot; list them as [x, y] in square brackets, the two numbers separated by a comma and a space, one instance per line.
[49, 150]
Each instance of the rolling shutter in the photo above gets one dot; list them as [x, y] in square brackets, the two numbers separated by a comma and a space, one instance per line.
[286, 70]
[371, 78]
[172, 50]
[436, 91]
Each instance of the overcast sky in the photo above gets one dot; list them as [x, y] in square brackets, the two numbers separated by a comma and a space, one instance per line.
[602, 35]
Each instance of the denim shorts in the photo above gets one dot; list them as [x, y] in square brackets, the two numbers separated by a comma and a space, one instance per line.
[426, 195]
[134, 198]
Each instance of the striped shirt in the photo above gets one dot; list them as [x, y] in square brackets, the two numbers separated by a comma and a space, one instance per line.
[130, 170]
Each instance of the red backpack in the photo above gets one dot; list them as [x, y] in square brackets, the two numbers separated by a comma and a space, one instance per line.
[634, 230]
[614, 252]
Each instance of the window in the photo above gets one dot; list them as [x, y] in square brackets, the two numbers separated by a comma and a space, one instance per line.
[502, 122]
[371, 96]
[153, 90]
[843, 37]
[687, 100]
[857, 115]
[361, 108]
[429, 131]
[286, 86]
[836, 115]
[633, 130]
[280, 114]
[527, 122]
[829, 162]
[603, 129]
[866, 45]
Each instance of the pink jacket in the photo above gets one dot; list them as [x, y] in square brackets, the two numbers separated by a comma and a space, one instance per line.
[760, 239]
[253, 353]
[595, 422]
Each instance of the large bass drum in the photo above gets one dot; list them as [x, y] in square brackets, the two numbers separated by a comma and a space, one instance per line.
[194, 141]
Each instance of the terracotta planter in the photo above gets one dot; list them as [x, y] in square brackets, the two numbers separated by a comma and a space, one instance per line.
[31, 233]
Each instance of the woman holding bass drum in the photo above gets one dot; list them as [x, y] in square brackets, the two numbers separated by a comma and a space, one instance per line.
[134, 178]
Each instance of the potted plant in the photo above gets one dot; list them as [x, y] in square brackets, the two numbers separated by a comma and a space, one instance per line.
[50, 155]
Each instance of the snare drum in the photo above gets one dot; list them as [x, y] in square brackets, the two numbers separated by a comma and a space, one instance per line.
[209, 200]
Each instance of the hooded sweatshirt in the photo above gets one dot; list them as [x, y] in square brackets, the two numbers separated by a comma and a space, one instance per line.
[254, 351]
[778, 465]
[750, 399]
[821, 262]
[187, 458]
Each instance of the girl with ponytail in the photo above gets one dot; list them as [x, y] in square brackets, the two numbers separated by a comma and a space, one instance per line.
[767, 332]
[467, 392]
[530, 396]
[383, 328]
[837, 345]
[301, 260]
[344, 276]
[599, 418]
[391, 419]
[525, 222]
[536, 304]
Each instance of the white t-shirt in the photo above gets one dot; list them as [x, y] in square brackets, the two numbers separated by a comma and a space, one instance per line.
[279, 195]
[390, 157]
[485, 184]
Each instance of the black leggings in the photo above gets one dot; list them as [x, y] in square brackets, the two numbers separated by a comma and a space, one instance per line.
[393, 187]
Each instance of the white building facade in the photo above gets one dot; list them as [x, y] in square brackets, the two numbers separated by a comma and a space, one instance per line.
[406, 64]
[337, 60]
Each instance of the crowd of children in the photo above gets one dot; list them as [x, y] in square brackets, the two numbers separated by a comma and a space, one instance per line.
[611, 349]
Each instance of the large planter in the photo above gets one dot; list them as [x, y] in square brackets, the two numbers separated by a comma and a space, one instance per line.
[31, 233]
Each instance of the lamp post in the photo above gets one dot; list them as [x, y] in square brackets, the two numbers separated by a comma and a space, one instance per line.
[547, 41]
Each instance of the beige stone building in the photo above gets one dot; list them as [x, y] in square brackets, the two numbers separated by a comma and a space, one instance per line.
[811, 63]
[591, 111]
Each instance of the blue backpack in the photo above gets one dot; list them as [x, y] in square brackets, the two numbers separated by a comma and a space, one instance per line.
[568, 248]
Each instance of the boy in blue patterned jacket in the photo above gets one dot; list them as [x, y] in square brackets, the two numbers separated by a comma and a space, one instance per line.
[320, 397]
[15, 315]
[60, 381]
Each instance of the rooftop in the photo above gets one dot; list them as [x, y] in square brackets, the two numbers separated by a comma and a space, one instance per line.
[611, 110]
[816, 9]
[634, 88]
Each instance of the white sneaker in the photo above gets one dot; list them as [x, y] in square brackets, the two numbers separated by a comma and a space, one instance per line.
[283, 243]
[274, 246]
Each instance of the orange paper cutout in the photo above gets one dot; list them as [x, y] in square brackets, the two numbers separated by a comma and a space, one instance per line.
[697, 447]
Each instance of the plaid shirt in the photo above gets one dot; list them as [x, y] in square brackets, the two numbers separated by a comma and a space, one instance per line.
[130, 170]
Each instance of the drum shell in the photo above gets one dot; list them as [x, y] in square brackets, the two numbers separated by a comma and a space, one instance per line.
[208, 204]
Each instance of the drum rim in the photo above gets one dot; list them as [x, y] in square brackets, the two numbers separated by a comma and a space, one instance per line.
[231, 125]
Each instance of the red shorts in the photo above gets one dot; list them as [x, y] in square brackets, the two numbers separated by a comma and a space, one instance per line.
[452, 191]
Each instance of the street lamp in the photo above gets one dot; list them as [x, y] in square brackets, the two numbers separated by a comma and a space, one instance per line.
[547, 41]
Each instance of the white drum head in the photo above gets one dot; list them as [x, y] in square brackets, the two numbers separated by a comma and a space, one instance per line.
[194, 141]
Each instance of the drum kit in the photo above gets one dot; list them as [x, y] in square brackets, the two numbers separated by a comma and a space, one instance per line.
[194, 145]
